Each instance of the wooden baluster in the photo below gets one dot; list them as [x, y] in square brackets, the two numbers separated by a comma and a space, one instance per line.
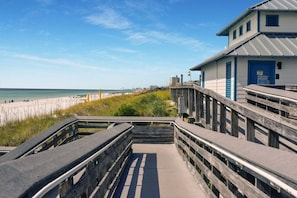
[207, 110]
[234, 123]
[222, 118]
[273, 139]
[214, 115]
[250, 130]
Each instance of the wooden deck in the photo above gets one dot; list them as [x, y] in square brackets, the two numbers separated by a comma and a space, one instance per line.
[157, 170]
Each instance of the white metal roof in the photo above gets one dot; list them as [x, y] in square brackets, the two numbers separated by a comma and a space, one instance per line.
[276, 5]
[273, 5]
[262, 44]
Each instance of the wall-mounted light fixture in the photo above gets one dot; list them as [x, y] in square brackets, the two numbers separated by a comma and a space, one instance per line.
[279, 65]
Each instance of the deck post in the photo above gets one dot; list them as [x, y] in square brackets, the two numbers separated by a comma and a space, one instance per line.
[234, 123]
[222, 118]
[273, 139]
[214, 115]
[190, 102]
[250, 130]
[207, 103]
[201, 105]
[196, 105]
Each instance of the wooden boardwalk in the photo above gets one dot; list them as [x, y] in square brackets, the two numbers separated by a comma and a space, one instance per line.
[157, 170]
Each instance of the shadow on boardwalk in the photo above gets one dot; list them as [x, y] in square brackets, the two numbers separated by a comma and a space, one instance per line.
[157, 170]
[140, 178]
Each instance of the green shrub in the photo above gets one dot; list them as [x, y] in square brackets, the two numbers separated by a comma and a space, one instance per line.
[126, 110]
[137, 104]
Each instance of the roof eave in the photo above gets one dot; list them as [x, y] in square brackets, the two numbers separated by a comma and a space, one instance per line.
[212, 59]
[225, 31]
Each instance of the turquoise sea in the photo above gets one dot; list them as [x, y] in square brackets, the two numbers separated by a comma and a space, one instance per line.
[7, 94]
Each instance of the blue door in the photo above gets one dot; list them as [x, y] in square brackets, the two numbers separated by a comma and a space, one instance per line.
[261, 72]
[228, 80]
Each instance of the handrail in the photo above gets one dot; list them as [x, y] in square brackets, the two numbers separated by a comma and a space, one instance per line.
[76, 157]
[272, 92]
[78, 167]
[270, 121]
[54, 162]
[79, 158]
[276, 182]
[31, 145]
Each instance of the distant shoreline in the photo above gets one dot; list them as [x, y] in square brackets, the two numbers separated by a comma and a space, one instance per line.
[20, 110]
[9, 95]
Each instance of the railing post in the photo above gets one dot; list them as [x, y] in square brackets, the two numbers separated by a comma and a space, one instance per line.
[222, 118]
[214, 115]
[196, 105]
[207, 103]
[190, 102]
[273, 139]
[234, 123]
[186, 98]
[250, 130]
[201, 105]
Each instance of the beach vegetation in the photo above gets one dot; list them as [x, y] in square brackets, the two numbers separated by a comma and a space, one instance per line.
[149, 103]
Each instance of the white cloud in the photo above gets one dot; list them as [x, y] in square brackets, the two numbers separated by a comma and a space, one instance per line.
[124, 50]
[59, 61]
[160, 37]
[109, 18]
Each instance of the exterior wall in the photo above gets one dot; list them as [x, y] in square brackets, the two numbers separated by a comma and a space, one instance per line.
[288, 72]
[242, 77]
[221, 86]
[215, 76]
[287, 22]
[210, 81]
[254, 29]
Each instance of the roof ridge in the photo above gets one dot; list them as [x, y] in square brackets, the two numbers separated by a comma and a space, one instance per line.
[258, 4]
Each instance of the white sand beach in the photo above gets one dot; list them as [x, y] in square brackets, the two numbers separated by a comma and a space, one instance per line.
[24, 109]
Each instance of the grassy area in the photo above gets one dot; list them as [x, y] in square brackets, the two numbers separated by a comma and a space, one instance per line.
[155, 103]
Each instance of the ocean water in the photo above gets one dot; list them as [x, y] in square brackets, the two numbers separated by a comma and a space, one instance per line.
[31, 94]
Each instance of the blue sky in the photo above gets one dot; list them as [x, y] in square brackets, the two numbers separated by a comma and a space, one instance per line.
[108, 44]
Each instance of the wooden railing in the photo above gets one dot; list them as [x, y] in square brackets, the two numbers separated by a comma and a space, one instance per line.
[278, 101]
[74, 128]
[215, 112]
[91, 166]
[88, 167]
[230, 167]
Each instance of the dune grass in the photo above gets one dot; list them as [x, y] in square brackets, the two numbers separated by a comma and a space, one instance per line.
[155, 103]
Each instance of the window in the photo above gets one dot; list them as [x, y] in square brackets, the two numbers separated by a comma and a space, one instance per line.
[248, 26]
[240, 30]
[234, 34]
[271, 20]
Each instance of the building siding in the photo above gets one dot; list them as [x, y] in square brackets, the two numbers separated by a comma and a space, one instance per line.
[287, 22]
[260, 48]
[288, 72]
[254, 27]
